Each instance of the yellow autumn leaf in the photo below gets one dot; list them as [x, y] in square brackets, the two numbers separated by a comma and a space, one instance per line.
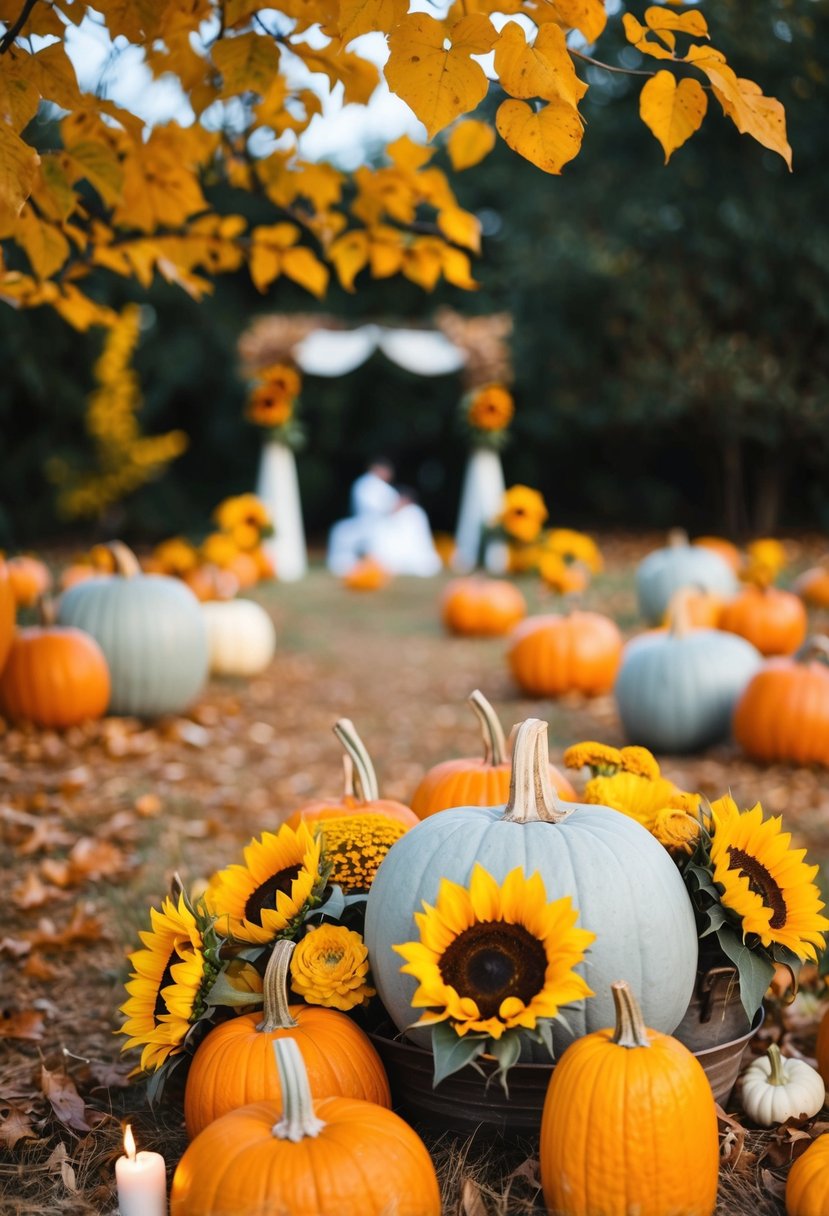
[100, 165]
[423, 261]
[248, 63]
[46, 247]
[461, 227]
[456, 269]
[439, 82]
[349, 255]
[663, 19]
[268, 247]
[469, 142]
[79, 310]
[362, 16]
[408, 155]
[544, 69]
[238, 11]
[589, 17]
[763, 118]
[18, 170]
[385, 253]
[52, 191]
[305, 268]
[358, 77]
[19, 96]
[549, 137]
[638, 35]
[671, 111]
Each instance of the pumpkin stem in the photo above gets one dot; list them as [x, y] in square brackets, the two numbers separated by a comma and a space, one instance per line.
[531, 795]
[47, 613]
[677, 538]
[365, 778]
[679, 612]
[776, 1075]
[298, 1118]
[816, 648]
[348, 776]
[495, 745]
[126, 563]
[276, 1010]
[630, 1030]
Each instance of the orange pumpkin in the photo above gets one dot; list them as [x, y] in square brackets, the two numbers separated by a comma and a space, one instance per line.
[813, 585]
[476, 782]
[329, 1157]
[807, 1186]
[366, 575]
[7, 612]
[246, 568]
[553, 655]
[774, 621]
[725, 548]
[700, 608]
[234, 1065]
[264, 563]
[210, 582]
[783, 713]
[30, 579]
[482, 607]
[55, 677]
[361, 795]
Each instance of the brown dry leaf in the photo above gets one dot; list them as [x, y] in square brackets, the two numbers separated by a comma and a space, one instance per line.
[732, 1141]
[59, 1161]
[773, 1185]
[89, 861]
[109, 1075]
[84, 927]
[27, 1024]
[472, 1203]
[75, 780]
[148, 806]
[16, 1126]
[46, 836]
[64, 1099]
[15, 947]
[31, 892]
[786, 1145]
[37, 968]
[529, 1171]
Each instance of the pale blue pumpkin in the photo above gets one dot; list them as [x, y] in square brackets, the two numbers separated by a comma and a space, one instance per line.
[152, 632]
[624, 884]
[676, 689]
[665, 571]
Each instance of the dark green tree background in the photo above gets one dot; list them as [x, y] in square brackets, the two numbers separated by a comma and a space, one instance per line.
[671, 341]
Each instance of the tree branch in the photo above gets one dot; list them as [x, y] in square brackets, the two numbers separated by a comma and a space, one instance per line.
[11, 33]
[607, 66]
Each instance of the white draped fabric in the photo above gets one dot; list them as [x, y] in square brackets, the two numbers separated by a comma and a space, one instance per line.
[335, 352]
[278, 489]
[481, 501]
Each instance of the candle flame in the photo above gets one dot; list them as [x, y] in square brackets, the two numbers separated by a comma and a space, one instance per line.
[129, 1142]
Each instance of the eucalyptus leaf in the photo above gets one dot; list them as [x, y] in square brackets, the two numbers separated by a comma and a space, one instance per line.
[451, 1052]
[754, 971]
[333, 907]
[544, 1034]
[717, 917]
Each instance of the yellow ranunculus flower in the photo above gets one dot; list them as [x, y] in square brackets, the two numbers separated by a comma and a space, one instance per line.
[329, 967]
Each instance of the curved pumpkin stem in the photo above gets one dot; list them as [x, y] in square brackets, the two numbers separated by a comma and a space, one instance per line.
[776, 1075]
[531, 795]
[276, 1011]
[364, 776]
[495, 745]
[47, 612]
[298, 1118]
[126, 563]
[679, 612]
[816, 647]
[677, 538]
[630, 1030]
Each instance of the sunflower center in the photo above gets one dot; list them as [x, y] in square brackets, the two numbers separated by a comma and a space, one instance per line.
[493, 960]
[761, 883]
[265, 895]
[165, 979]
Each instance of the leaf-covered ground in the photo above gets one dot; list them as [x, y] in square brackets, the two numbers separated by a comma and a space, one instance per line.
[95, 822]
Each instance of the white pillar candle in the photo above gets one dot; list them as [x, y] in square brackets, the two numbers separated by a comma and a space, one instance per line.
[142, 1181]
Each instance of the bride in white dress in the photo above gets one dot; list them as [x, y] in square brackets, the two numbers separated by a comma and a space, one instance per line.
[387, 525]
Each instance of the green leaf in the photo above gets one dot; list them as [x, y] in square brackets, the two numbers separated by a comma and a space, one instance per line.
[754, 970]
[717, 917]
[506, 1050]
[544, 1034]
[451, 1052]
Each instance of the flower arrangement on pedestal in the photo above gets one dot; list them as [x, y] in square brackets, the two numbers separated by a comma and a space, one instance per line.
[272, 404]
[486, 413]
[564, 558]
[754, 895]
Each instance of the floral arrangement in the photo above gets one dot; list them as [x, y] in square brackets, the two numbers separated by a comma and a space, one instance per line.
[235, 547]
[272, 403]
[486, 413]
[564, 558]
[764, 560]
[752, 893]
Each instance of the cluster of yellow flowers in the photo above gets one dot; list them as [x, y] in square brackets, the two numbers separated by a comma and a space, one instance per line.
[125, 458]
[272, 401]
[564, 558]
[764, 560]
[235, 549]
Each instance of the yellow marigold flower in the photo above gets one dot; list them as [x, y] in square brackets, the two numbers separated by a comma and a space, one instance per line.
[329, 967]
[354, 847]
[282, 378]
[676, 829]
[766, 882]
[268, 406]
[600, 758]
[767, 552]
[639, 797]
[640, 761]
[176, 556]
[523, 512]
[496, 956]
[566, 578]
[523, 557]
[246, 537]
[491, 408]
[575, 547]
[242, 509]
[218, 549]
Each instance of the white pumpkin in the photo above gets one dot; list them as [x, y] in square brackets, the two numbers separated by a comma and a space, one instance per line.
[776, 1089]
[240, 636]
[624, 884]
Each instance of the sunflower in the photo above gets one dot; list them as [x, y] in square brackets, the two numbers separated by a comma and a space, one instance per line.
[764, 881]
[523, 512]
[600, 758]
[176, 556]
[491, 408]
[268, 406]
[575, 546]
[242, 510]
[329, 967]
[565, 578]
[218, 549]
[639, 797]
[267, 896]
[355, 845]
[492, 958]
[283, 378]
[167, 986]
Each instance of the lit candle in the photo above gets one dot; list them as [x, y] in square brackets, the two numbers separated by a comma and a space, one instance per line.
[142, 1181]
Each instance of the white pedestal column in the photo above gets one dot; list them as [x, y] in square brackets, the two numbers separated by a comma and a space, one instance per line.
[278, 487]
[481, 498]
